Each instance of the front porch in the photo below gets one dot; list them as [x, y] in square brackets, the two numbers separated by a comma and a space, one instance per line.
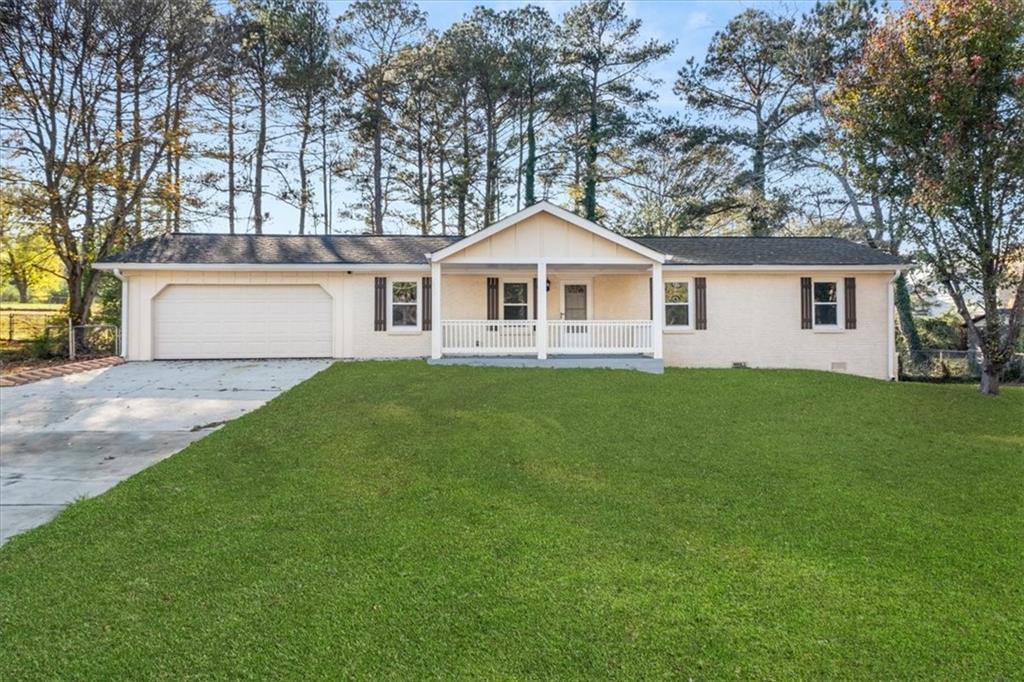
[546, 285]
[633, 362]
[599, 314]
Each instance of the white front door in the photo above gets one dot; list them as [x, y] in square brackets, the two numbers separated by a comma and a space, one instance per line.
[575, 307]
[575, 301]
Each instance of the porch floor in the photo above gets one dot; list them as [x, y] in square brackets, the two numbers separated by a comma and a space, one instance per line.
[641, 363]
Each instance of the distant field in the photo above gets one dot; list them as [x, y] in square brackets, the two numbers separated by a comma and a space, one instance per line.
[23, 321]
[31, 307]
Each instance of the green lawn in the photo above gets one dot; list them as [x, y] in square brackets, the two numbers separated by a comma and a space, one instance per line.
[405, 521]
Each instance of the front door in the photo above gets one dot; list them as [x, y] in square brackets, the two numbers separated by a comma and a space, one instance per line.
[575, 309]
[575, 301]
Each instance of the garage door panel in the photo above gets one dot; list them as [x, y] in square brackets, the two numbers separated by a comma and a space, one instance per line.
[242, 321]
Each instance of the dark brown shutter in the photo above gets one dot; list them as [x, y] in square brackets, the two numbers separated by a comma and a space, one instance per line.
[806, 306]
[492, 298]
[650, 296]
[850, 293]
[535, 298]
[701, 302]
[380, 304]
[427, 310]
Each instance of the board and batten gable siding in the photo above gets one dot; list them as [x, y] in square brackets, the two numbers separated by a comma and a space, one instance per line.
[545, 236]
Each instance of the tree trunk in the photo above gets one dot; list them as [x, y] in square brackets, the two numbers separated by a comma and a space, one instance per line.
[530, 196]
[759, 226]
[463, 186]
[136, 155]
[168, 161]
[122, 182]
[491, 170]
[989, 379]
[232, 191]
[443, 190]
[908, 326]
[590, 170]
[261, 145]
[303, 173]
[325, 171]
[378, 171]
[22, 286]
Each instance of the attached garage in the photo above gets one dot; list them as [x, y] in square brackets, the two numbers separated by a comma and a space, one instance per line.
[242, 321]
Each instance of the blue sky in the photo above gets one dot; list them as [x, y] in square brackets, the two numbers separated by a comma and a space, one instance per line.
[691, 24]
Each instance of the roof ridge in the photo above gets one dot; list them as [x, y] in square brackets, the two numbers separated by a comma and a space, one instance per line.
[278, 234]
[738, 236]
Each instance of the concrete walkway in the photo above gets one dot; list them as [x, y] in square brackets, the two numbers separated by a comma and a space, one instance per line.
[79, 435]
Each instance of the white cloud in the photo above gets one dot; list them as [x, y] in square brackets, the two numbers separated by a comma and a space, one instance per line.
[697, 20]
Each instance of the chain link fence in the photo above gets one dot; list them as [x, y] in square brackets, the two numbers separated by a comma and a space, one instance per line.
[953, 365]
[94, 339]
[43, 334]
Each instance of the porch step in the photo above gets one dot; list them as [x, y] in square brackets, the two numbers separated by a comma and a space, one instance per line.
[638, 363]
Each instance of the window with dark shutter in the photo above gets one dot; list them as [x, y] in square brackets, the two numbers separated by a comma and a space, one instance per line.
[850, 302]
[380, 304]
[700, 301]
[492, 298]
[806, 305]
[425, 305]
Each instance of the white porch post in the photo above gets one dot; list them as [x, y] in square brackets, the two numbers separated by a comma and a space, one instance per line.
[658, 309]
[542, 310]
[435, 310]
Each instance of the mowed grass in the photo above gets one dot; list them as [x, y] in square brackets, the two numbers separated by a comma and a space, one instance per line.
[394, 520]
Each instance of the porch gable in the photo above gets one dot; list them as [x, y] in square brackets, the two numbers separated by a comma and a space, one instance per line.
[546, 232]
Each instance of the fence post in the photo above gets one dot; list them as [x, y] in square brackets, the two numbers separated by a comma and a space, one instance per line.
[10, 327]
[71, 339]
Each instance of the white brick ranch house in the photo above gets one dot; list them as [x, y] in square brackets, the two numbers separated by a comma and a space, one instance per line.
[541, 286]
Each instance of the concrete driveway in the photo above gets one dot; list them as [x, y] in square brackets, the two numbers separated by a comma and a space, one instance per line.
[77, 436]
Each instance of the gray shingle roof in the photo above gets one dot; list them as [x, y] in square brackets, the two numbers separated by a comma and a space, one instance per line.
[766, 251]
[222, 249]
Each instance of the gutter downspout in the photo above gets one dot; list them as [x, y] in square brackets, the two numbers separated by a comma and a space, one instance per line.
[124, 311]
[891, 345]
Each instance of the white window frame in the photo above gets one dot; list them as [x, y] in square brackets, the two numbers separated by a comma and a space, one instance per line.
[405, 329]
[688, 281]
[840, 283]
[529, 297]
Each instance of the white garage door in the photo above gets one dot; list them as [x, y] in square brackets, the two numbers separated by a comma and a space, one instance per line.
[228, 321]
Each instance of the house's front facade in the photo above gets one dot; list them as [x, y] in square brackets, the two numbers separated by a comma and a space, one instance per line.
[542, 285]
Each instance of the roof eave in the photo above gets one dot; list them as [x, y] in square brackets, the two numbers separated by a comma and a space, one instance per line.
[307, 267]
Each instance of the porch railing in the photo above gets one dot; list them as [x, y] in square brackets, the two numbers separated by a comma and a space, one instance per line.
[567, 337]
[489, 337]
[600, 337]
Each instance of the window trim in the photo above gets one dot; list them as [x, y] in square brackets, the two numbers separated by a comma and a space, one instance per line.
[839, 326]
[529, 297]
[688, 281]
[405, 329]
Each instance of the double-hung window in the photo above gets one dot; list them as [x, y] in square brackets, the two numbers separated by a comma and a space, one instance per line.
[515, 301]
[404, 304]
[826, 304]
[677, 304]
